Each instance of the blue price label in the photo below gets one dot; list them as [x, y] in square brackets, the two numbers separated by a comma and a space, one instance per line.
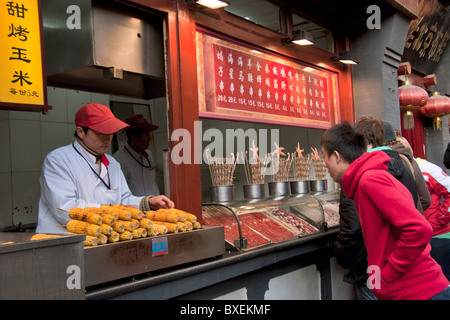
[160, 246]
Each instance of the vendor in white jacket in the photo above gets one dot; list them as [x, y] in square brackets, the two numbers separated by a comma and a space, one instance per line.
[135, 159]
[81, 174]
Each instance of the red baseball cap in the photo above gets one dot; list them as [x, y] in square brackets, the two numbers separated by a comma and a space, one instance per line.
[138, 121]
[99, 118]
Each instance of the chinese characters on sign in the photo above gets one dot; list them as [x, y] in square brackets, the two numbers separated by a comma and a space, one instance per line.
[21, 57]
[247, 82]
[241, 83]
[427, 37]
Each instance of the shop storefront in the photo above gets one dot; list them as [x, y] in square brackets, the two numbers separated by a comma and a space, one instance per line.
[241, 110]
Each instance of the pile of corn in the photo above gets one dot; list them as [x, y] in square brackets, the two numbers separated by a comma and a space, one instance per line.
[109, 224]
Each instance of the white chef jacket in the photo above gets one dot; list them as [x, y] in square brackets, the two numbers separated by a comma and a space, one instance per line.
[67, 181]
[141, 180]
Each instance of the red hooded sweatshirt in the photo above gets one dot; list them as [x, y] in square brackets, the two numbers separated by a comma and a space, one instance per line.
[396, 234]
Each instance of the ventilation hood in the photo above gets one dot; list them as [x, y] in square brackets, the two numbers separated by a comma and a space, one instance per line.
[104, 46]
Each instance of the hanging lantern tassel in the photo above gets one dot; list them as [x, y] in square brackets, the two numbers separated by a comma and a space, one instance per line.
[408, 120]
[411, 98]
[437, 123]
[436, 107]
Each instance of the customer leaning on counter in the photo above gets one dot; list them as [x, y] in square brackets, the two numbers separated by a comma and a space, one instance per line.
[81, 174]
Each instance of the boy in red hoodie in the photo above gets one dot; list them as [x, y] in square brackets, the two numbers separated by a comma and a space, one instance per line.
[396, 234]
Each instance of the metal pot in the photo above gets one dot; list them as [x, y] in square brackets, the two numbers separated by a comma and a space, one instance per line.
[279, 188]
[222, 194]
[300, 187]
[254, 191]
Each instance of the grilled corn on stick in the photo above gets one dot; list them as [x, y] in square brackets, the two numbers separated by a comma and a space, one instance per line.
[109, 210]
[113, 237]
[82, 215]
[118, 226]
[90, 241]
[102, 239]
[145, 223]
[106, 229]
[189, 225]
[181, 226]
[196, 225]
[143, 232]
[162, 216]
[171, 227]
[129, 225]
[158, 229]
[108, 218]
[136, 233]
[135, 222]
[152, 232]
[126, 235]
[135, 213]
[82, 227]
[40, 236]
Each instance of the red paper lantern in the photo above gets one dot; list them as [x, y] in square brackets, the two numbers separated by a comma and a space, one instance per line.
[436, 107]
[411, 98]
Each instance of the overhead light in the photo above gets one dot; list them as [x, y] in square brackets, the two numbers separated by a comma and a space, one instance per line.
[213, 4]
[345, 57]
[300, 37]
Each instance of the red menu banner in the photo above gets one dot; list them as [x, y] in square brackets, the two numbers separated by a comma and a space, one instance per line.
[248, 85]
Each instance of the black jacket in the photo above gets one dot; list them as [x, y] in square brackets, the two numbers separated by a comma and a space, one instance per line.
[349, 246]
[447, 156]
[398, 169]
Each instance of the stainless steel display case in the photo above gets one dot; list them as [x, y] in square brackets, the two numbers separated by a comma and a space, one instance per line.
[253, 223]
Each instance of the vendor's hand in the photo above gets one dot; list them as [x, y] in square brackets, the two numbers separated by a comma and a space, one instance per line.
[160, 202]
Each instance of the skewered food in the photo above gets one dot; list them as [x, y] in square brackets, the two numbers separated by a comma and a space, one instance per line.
[90, 241]
[113, 223]
[126, 235]
[106, 229]
[41, 236]
[82, 227]
[113, 237]
[85, 215]
[162, 216]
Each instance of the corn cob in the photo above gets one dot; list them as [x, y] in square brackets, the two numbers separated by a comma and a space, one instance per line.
[109, 210]
[181, 226]
[90, 241]
[136, 233]
[135, 213]
[40, 236]
[129, 225]
[106, 229]
[153, 232]
[145, 223]
[190, 217]
[108, 218]
[189, 225]
[196, 225]
[113, 237]
[123, 215]
[135, 222]
[118, 226]
[162, 216]
[126, 235]
[82, 227]
[158, 229]
[82, 215]
[171, 227]
[143, 232]
[102, 239]
[180, 214]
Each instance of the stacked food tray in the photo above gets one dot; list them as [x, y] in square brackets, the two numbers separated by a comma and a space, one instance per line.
[318, 212]
[259, 226]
